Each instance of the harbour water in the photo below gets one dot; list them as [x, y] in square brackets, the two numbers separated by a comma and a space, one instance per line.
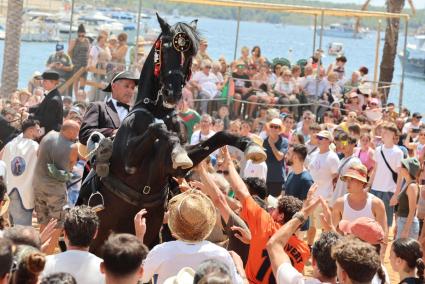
[292, 42]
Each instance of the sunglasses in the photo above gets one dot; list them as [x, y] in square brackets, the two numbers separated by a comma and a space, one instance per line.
[274, 126]
[321, 138]
[223, 172]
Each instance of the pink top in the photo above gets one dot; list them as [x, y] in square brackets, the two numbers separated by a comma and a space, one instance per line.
[365, 158]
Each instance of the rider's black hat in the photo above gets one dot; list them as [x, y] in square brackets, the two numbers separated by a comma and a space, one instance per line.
[120, 76]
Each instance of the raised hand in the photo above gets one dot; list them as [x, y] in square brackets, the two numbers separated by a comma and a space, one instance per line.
[140, 224]
[244, 235]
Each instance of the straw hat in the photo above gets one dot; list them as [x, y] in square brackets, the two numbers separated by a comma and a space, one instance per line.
[325, 134]
[192, 216]
[356, 171]
[185, 275]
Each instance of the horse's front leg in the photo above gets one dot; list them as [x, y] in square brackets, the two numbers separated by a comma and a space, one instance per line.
[200, 151]
[141, 146]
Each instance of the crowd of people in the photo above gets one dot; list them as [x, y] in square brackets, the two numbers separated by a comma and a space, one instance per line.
[342, 181]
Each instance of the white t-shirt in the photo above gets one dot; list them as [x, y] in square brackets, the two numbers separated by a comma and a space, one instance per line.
[20, 156]
[197, 137]
[84, 266]
[258, 170]
[322, 167]
[208, 83]
[383, 180]
[287, 274]
[167, 259]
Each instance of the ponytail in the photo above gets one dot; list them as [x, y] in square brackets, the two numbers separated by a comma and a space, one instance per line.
[381, 275]
[420, 266]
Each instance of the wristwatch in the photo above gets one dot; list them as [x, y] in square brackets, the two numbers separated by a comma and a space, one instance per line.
[300, 216]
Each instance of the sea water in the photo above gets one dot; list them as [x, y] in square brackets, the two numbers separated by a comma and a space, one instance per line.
[275, 40]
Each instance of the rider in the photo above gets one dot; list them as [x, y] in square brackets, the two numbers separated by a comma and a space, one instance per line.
[106, 117]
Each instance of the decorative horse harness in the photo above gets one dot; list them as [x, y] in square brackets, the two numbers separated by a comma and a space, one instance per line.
[181, 43]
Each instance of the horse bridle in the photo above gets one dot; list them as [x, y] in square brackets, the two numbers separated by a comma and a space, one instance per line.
[181, 43]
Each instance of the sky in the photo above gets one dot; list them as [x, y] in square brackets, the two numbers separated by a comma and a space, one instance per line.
[419, 4]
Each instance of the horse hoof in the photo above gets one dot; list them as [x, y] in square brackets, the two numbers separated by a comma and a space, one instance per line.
[130, 170]
[182, 160]
[255, 153]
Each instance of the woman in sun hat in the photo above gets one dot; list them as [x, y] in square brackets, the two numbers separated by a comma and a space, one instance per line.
[407, 222]
[191, 218]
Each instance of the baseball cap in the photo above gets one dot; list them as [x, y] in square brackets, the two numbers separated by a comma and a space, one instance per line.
[121, 76]
[325, 134]
[366, 229]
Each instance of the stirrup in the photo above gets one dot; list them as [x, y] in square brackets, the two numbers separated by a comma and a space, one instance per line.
[98, 207]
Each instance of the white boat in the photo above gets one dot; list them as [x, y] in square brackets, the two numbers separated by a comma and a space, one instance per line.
[344, 30]
[336, 49]
[415, 61]
[99, 21]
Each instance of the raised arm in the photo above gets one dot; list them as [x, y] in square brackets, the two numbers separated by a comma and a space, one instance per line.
[235, 180]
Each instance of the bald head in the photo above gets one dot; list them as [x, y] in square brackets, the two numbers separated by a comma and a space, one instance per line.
[70, 129]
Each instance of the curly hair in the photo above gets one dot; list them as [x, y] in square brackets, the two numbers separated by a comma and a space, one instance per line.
[80, 225]
[358, 259]
[288, 206]
[322, 253]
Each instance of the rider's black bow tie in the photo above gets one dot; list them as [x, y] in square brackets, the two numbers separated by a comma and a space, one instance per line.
[126, 106]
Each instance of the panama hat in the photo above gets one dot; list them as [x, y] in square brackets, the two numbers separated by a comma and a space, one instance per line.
[191, 216]
[357, 171]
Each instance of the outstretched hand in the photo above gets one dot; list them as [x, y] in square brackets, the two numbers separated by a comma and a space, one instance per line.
[183, 184]
[46, 234]
[244, 235]
[311, 201]
[326, 217]
[140, 224]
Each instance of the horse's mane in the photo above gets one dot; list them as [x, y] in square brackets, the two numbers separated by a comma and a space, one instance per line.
[192, 33]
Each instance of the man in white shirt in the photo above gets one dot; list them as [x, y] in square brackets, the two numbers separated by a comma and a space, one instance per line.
[323, 168]
[345, 144]
[207, 84]
[388, 162]
[191, 218]
[80, 228]
[123, 256]
[205, 130]
[20, 156]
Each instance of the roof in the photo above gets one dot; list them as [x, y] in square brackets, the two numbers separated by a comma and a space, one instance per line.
[309, 10]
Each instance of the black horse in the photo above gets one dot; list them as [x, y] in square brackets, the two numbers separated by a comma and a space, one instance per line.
[147, 149]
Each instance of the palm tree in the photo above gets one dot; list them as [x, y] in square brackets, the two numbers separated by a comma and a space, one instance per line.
[12, 44]
[390, 46]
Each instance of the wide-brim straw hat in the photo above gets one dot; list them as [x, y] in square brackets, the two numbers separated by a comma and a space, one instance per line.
[356, 171]
[191, 216]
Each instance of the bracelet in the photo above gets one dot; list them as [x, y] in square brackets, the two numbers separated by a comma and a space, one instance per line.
[300, 216]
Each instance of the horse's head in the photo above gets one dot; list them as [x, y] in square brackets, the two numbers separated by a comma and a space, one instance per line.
[174, 50]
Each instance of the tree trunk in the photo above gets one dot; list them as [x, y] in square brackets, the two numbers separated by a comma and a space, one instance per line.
[12, 45]
[390, 45]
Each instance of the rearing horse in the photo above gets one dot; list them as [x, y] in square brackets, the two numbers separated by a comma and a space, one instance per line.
[147, 150]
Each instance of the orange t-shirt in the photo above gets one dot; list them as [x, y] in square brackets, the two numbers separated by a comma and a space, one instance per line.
[262, 227]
